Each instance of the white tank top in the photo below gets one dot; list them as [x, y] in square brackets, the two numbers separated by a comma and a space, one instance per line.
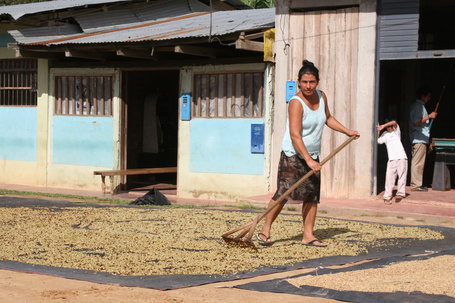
[312, 125]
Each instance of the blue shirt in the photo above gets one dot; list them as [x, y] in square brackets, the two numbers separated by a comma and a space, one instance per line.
[419, 133]
[312, 125]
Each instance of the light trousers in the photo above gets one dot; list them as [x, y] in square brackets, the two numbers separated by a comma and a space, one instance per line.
[396, 168]
[419, 153]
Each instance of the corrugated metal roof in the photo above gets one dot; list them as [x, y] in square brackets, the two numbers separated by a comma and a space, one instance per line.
[157, 10]
[19, 10]
[38, 34]
[202, 24]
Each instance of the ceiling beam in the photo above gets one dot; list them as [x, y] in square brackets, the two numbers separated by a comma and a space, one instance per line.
[254, 36]
[243, 43]
[196, 51]
[249, 45]
[84, 54]
[20, 53]
[142, 54]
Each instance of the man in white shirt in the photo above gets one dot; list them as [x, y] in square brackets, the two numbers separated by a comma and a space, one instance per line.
[398, 161]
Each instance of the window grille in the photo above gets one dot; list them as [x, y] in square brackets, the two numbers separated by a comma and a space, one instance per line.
[228, 95]
[18, 82]
[83, 95]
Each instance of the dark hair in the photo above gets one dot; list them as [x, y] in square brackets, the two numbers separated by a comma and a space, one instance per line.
[308, 68]
[423, 91]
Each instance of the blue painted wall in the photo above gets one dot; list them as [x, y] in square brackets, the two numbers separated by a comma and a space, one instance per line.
[224, 146]
[86, 141]
[18, 133]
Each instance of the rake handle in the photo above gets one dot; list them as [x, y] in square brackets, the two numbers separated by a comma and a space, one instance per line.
[252, 225]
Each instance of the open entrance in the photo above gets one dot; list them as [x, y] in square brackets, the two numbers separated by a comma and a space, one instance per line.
[151, 111]
[399, 80]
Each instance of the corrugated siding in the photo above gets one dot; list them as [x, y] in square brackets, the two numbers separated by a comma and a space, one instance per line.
[398, 29]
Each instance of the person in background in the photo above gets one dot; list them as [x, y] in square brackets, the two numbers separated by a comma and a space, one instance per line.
[419, 132]
[308, 111]
[397, 166]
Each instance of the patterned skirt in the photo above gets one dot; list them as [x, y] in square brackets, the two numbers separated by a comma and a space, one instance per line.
[290, 170]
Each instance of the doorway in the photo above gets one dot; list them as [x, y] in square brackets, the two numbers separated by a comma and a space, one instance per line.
[151, 122]
[399, 81]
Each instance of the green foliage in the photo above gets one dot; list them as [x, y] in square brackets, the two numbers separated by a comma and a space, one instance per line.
[260, 3]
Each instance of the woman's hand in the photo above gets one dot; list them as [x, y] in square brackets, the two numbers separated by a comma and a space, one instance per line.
[314, 165]
[354, 133]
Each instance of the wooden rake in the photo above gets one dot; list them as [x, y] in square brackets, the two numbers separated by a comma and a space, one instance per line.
[243, 239]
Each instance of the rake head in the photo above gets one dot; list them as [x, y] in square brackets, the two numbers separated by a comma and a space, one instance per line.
[239, 242]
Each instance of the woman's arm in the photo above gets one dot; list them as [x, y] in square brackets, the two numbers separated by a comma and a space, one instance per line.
[295, 129]
[334, 124]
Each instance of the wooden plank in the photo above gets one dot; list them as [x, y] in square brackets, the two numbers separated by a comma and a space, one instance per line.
[203, 92]
[225, 114]
[142, 54]
[207, 97]
[65, 97]
[99, 97]
[249, 45]
[58, 94]
[339, 182]
[92, 98]
[309, 43]
[212, 96]
[70, 98]
[217, 94]
[242, 94]
[296, 33]
[77, 95]
[260, 93]
[136, 171]
[196, 51]
[326, 68]
[71, 53]
[250, 95]
[196, 106]
[231, 81]
[20, 53]
[353, 28]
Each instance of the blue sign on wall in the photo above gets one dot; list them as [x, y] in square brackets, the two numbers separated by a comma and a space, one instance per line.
[257, 138]
[185, 108]
[291, 90]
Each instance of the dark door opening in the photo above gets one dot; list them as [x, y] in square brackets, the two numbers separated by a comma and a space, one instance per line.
[151, 101]
[399, 80]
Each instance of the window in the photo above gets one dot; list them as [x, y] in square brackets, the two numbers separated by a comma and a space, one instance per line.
[18, 82]
[83, 95]
[228, 95]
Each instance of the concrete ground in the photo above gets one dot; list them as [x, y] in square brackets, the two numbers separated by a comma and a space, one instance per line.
[428, 208]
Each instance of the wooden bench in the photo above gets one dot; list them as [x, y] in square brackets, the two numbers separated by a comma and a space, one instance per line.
[125, 172]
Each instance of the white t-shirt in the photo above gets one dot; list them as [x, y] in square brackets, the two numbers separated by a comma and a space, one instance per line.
[392, 141]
